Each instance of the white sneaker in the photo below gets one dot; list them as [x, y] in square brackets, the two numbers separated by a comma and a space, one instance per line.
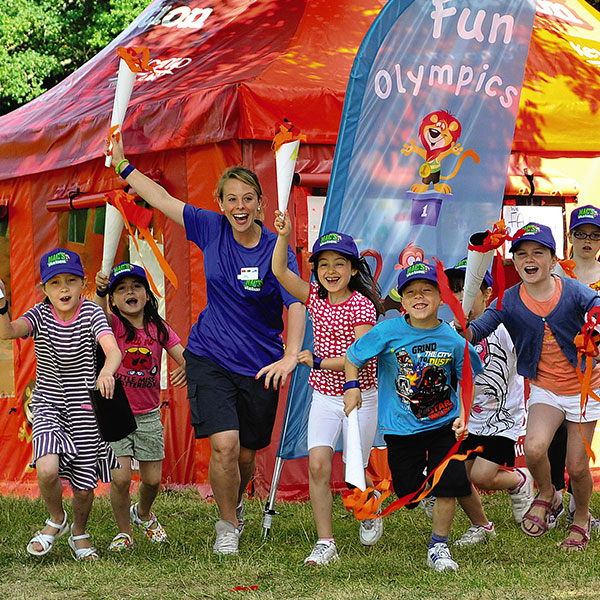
[476, 534]
[522, 497]
[440, 559]
[228, 538]
[239, 513]
[322, 554]
[427, 505]
[371, 530]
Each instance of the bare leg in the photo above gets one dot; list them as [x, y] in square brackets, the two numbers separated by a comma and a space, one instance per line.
[319, 479]
[51, 491]
[82, 505]
[119, 494]
[579, 471]
[224, 472]
[247, 464]
[443, 515]
[542, 422]
[150, 475]
[487, 475]
[473, 508]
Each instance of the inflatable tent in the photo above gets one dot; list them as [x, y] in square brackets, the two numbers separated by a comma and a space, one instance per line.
[224, 77]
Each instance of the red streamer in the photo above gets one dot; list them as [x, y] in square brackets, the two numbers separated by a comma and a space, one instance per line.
[287, 133]
[137, 58]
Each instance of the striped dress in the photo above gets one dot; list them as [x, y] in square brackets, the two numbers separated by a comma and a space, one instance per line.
[63, 422]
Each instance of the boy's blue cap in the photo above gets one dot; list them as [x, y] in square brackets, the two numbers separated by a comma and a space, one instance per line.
[535, 232]
[338, 242]
[583, 215]
[417, 270]
[125, 269]
[461, 266]
[59, 261]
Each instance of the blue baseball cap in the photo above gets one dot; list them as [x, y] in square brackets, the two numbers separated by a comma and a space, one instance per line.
[418, 270]
[59, 261]
[535, 232]
[125, 269]
[338, 242]
[584, 215]
[461, 266]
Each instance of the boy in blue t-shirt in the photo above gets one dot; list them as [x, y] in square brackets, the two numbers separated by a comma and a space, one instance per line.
[419, 362]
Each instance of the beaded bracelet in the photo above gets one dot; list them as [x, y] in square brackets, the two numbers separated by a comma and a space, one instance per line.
[118, 167]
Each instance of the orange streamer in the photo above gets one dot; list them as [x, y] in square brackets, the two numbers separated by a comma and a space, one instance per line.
[114, 130]
[494, 238]
[137, 58]
[568, 266]
[287, 133]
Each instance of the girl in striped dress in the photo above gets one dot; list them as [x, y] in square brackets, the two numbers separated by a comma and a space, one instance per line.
[66, 443]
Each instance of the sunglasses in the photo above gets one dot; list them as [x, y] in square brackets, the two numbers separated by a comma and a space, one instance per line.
[582, 235]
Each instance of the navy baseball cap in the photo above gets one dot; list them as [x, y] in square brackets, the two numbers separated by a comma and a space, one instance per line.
[59, 261]
[535, 232]
[461, 266]
[125, 269]
[338, 242]
[417, 270]
[583, 215]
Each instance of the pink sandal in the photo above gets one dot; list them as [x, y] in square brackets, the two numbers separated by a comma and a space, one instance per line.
[571, 545]
[542, 524]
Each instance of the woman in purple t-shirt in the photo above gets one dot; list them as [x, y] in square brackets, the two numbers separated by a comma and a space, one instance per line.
[237, 338]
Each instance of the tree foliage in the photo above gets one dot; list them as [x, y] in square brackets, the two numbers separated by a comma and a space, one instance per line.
[44, 41]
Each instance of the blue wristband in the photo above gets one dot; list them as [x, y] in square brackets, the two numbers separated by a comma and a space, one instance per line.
[349, 385]
[101, 293]
[127, 171]
[317, 362]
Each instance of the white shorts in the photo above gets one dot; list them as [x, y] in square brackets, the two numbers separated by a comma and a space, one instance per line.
[570, 406]
[327, 420]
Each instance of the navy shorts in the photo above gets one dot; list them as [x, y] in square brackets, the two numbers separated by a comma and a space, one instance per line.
[410, 455]
[222, 401]
[496, 448]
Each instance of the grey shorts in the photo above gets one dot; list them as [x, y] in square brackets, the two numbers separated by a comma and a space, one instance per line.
[146, 443]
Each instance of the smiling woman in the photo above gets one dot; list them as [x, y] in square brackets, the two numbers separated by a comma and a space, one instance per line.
[234, 351]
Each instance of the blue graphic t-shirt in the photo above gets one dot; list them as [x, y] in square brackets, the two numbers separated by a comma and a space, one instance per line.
[241, 326]
[418, 370]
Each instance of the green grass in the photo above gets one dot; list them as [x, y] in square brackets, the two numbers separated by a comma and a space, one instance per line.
[510, 567]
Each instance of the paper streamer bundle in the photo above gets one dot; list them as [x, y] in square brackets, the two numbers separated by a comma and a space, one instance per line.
[285, 145]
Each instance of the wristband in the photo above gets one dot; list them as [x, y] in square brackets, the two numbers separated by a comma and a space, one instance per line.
[127, 171]
[118, 167]
[101, 293]
[4, 309]
[317, 362]
[349, 385]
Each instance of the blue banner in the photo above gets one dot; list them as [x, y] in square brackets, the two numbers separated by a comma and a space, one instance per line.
[425, 137]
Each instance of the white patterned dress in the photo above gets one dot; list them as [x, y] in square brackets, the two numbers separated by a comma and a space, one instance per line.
[63, 422]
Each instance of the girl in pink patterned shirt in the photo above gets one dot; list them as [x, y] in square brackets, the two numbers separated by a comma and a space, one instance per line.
[343, 304]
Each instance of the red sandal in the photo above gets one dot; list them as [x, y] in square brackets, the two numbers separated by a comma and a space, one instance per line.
[571, 545]
[542, 524]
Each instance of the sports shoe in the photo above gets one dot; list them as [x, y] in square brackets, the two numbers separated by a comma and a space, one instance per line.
[555, 515]
[427, 505]
[239, 513]
[228, 538]
[476, 534]
[322, 554]
[371, 530]
[522, 497]
[152, 528]
[121, 541]
[440, 559]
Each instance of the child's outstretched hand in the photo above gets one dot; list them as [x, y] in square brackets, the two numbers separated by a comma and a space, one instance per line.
[178, 376]
[283, 223]
[102, 281]
[118, 154]
[106, 383]
[459, 427]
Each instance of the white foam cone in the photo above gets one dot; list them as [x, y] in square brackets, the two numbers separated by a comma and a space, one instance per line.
[355, 471]
[477, 265]
[285, 162]
[113, 226]
[125, 81]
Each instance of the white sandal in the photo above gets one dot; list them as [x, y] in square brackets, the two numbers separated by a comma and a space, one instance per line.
[82, 553]
[46, 540]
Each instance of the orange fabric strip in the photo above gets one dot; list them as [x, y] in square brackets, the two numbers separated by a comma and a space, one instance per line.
[287, 133]
[135, 62]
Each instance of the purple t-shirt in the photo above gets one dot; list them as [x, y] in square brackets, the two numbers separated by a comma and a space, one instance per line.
[241, 326]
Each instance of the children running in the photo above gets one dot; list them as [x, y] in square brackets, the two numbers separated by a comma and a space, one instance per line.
[141, 334]
[66, 443]
[543, 314]
[343, 305]
[495, 422]
[419, 359]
